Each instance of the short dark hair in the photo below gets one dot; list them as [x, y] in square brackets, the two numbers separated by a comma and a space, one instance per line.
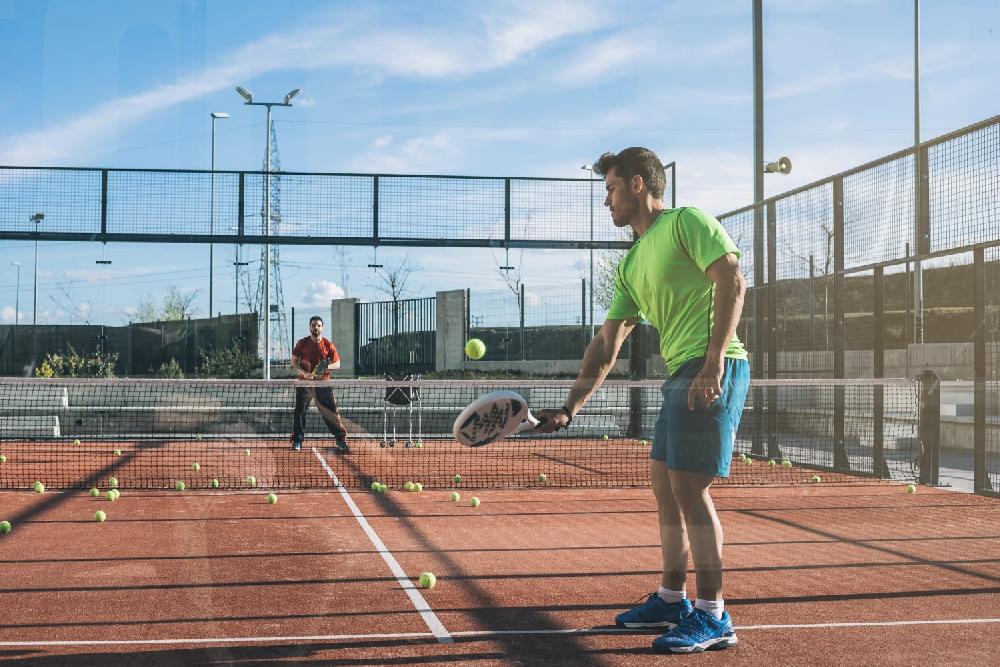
[635, 161]
[314, 318]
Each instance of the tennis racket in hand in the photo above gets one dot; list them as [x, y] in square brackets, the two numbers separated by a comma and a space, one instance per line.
[493, 416]
[320, 369]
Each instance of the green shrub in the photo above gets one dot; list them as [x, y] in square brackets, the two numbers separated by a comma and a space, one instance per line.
[171, 370]
[70, 364]
[229, 363]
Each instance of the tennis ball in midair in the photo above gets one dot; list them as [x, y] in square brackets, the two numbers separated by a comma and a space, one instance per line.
[4, 526]
[39, 487]
[454, 496]
[214, 484]
[815, 479]
[474, 502]
[113, 482]
[542, 477]
[475, 348]
[180, 486]
[786, 464]
[427, 580]
[407, 486]
[94, 492]
[196, 467]
[100, 516]
[910, 488]
[458, 479]
[272, 498]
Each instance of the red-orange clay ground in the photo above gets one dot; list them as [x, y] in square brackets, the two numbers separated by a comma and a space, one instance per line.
[225, 578]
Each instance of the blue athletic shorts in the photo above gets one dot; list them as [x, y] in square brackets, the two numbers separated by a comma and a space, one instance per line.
[700, 441]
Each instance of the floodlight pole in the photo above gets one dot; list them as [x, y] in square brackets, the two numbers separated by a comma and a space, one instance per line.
[921, 244]
[590, 169]
[267, 217]
[211, 218]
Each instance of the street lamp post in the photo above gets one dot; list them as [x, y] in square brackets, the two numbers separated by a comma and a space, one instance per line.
[36, 218]
[248, 97]
[591, 170]
[17, 308]
[216, 115]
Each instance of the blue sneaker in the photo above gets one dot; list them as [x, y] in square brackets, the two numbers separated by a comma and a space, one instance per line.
[654, 613]
[698, 631]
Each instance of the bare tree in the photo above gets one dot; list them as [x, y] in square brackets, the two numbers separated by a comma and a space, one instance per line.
[343, 265]
[605, 269]
[510, 274]
[76, 311]
[393, 279]
[145, 310]
[178, 305]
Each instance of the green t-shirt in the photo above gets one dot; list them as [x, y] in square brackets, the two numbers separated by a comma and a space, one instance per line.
[662, 278]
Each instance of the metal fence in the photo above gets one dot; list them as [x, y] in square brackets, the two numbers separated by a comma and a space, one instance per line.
[174, 206]
[396, 337]
[846, 274]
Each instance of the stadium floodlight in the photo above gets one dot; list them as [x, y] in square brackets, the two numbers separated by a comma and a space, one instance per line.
[289, 96]
[780, 166]
[245, 94]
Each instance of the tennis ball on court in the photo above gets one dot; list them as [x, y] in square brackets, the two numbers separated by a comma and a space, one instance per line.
[643, 443]
[118, 452]
[910, 488]
[772, 462]
[454, 496]
[247, 451]
[418, 487]
[475, 348]
[251, 480]
[3, 459]
[743, 457]
[100, 516]
[196, 467]
[197, 436]
[110, 494]
[383, 488]
[420, 444]
[474, 502]
[542, 477]
[748, 460]
[407, 486]
[214, 484]
[118, 494]
[815, 479]
[604, 437]
[39, 487]
[427, 580]
[76, 441]
[4, 526]
[786, 464]
[272, 498]
[180, 486]
[375, 486]
[94, 492]
[113, 482]
[458, 479]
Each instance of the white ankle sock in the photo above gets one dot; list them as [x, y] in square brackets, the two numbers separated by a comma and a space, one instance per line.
[713, 607]
[670, 596]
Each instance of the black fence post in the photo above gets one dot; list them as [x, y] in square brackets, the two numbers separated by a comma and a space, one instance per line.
[840, 458]
[879, 467]
[771, 414]
[760, 289]
[520, 301]
[583, 317]
[980, 475]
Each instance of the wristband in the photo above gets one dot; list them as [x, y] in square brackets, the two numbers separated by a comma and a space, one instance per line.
[569, 415]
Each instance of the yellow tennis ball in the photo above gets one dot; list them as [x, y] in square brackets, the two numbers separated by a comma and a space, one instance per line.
[94, 492]
[214, 484]
[196, 467]
[910, 488]
[113, 482]
[786, 464]
[454, 497]
[118, 452]
[251, 480]
[474, 502]
[743, 457]
[4, 526]
[418, 487]
[100, 516]
[427, 580]
[407, 486]
[179, 485]
[815, 479]
[77, 441]
[772, 462]
[272, 498]
[457, 479]
[110, 494]
[247, 451]
[375, 486]
[604, 437]
[3, 459]
[39, 487]
[542, 477]
[475, 348]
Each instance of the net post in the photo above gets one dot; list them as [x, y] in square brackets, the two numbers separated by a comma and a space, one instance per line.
[771, 413]
[637, 371]
[929, 427]
[879, 467]
[840, 458]
[583, 316]
[981, 478]
[520, 306]
[760, 291]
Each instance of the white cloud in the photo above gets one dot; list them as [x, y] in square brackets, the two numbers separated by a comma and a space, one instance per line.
[321, 292]
[382, 141]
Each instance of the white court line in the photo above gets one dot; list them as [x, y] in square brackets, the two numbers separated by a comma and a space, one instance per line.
[430, 618]
[471, 634]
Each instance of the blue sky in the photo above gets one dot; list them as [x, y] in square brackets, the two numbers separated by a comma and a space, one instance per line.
[513, 88]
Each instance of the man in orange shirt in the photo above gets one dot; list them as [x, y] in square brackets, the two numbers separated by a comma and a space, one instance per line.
[313, 358]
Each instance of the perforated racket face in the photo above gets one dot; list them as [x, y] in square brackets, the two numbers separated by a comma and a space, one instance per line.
[321, 367]
[490, 417]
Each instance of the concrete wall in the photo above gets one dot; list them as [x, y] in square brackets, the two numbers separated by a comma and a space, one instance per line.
[450, 339]
[342, 331]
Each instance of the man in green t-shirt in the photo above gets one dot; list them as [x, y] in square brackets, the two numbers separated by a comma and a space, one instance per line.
[683, 276]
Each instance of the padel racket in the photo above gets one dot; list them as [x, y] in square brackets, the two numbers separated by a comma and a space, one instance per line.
[320, 369]
[493, 416]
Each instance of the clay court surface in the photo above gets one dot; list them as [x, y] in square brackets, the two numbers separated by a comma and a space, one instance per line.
[830, 573]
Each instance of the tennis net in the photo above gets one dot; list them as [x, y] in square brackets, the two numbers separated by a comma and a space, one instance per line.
[149, 434]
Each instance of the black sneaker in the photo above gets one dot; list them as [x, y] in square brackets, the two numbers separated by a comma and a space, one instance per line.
[342, 445]
[296, 445]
